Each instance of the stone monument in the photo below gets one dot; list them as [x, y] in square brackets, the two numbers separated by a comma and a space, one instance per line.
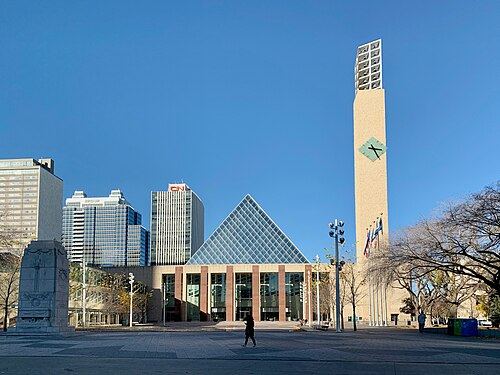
[43, 290]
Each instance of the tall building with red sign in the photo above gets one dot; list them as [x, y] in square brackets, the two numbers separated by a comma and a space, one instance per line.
[177, 225]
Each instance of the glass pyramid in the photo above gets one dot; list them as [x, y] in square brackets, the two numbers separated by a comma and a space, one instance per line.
[248, 236]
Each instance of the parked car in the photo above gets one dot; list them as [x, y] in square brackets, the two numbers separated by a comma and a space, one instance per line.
[484, 323]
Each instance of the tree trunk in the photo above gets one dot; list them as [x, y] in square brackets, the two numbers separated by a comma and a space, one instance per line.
[453, 311]
[354, 315]
[416, 310]
[6, 313]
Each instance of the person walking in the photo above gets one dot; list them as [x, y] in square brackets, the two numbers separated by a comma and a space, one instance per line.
[249, 330]
[421, 321]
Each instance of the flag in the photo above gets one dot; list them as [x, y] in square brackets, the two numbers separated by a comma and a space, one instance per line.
[366, 252]
[375, 242]
[375, 234]
[377, 229]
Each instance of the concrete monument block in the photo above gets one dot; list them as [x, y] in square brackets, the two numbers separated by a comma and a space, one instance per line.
[43, 290]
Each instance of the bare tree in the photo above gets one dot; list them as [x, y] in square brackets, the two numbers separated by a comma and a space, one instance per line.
[11, 249]
[444, 259]
[353, 281]
[465, 240]
[327, 295]
[452, 290]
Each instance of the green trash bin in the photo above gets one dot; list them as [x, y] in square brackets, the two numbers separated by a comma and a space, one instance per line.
[124, 322]
[457, 327]
[451, 325]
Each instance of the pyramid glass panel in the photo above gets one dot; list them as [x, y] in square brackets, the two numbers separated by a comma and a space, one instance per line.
[248, 236]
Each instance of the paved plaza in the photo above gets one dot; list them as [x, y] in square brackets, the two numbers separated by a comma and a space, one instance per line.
[215, 351]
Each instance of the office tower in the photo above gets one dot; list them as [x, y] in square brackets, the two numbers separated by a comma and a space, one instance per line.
[177, 225]
[30, 200]
[104, 231]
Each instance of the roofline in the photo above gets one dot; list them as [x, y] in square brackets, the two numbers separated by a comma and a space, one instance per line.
[269, 216]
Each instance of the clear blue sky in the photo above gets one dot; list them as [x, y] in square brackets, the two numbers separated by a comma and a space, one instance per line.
[237, 97]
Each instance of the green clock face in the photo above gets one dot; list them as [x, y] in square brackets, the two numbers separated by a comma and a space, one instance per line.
[373, 149]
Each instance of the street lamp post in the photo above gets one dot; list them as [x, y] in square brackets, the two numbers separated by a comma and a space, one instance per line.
[309, 301]
[131, 281]
[338, 266]
[317, 287]
[84, 293]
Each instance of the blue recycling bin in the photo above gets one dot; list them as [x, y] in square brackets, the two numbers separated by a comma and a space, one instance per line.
[469, 327]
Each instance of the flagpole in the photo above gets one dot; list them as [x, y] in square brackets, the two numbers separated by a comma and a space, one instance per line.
[370, 295]
[382, 315]
[375, 303]
[372, 310]
[385, 306]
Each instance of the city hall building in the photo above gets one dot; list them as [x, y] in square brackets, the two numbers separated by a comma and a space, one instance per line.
[247, 266]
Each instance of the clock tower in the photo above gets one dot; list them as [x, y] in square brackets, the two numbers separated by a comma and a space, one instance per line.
[380, 304]
[370, 157]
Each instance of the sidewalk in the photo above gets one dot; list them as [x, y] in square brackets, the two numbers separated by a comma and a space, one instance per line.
[278, 351]
[197, 327]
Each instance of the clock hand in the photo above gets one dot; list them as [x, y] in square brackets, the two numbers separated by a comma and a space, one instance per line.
[374, 149]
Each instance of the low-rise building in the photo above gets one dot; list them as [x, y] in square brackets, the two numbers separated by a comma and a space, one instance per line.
[248, 266]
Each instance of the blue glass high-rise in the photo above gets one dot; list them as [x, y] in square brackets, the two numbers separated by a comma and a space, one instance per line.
[104, 231]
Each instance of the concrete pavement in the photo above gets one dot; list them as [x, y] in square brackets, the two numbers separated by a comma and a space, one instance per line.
[368, 351]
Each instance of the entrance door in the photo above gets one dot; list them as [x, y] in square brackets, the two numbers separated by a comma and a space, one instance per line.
[394, 318]
[243, 295]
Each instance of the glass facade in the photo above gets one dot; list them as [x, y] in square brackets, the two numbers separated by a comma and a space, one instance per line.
[294, 289]
[104, 231]
[269, 302]
[168, 286]
[243, 288]
[193, 296]
[248, 236]
[218, 296]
